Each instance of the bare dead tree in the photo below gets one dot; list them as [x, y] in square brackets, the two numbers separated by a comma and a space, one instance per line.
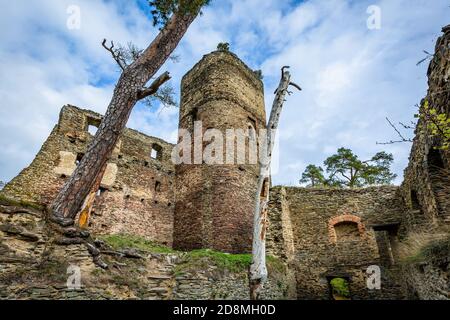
[258, 269]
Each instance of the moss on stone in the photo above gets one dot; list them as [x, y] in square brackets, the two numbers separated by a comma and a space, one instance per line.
[205, 257]
[19, 203]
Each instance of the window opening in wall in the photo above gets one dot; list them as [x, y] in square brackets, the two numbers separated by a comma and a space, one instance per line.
[387, 242]
[156, 152]
[339, 288]
[265, 188]
[101, 191]
[439, 178]
[251, 123]
[79, 157]
[92, 125]
[194, 116]
[435, 161]
[415, 204]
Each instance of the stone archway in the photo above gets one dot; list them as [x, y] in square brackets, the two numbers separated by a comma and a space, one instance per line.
[346, 221]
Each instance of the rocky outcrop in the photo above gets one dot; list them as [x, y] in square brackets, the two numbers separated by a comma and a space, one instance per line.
[35, 265]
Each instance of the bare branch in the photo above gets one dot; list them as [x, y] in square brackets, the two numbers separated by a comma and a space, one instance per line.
[115, 54]
[398, 132]
[402, 138]
[145, 92]
[393, 142]
[175, 58]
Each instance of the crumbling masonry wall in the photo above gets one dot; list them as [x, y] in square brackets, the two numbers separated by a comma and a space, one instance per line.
[136, 194]
[426, 188]
[337, 233]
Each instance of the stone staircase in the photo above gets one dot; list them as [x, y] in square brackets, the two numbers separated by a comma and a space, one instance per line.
[161, 279]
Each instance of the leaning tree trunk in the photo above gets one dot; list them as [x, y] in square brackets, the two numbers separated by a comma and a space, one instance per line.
[258, 269]
[129, 90]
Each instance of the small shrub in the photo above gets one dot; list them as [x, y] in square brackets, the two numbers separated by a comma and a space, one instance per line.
[340, 287]
[223, 46]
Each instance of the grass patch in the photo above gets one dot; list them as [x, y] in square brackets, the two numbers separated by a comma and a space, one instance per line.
[122, 241]
[193, 260]
[275, 264]
[231, 262]
[202, 258]
[20, 203]
[437, 251]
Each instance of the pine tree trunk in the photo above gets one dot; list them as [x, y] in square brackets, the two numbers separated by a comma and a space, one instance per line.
[126, 94]
[258, 269]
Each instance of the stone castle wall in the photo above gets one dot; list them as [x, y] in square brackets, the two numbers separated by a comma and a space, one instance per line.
[319, 234]
[34, 267]
[214, 204]
[136, 194]
[426, 188]
[337, 233]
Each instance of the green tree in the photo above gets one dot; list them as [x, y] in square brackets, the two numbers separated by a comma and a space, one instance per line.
[313, 176]
[346, 170]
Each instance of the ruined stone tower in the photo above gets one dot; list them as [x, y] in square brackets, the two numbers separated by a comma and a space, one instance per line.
[214, 202]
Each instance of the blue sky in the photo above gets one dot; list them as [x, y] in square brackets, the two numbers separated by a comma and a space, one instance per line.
[352, 77]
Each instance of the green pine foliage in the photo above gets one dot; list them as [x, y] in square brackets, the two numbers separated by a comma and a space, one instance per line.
[345, 170]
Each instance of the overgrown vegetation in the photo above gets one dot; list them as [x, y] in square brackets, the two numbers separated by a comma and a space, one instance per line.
[438, 124]
[340, 287]
[122, 241]
[428, 246]
[203, 258]
[200, 258]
